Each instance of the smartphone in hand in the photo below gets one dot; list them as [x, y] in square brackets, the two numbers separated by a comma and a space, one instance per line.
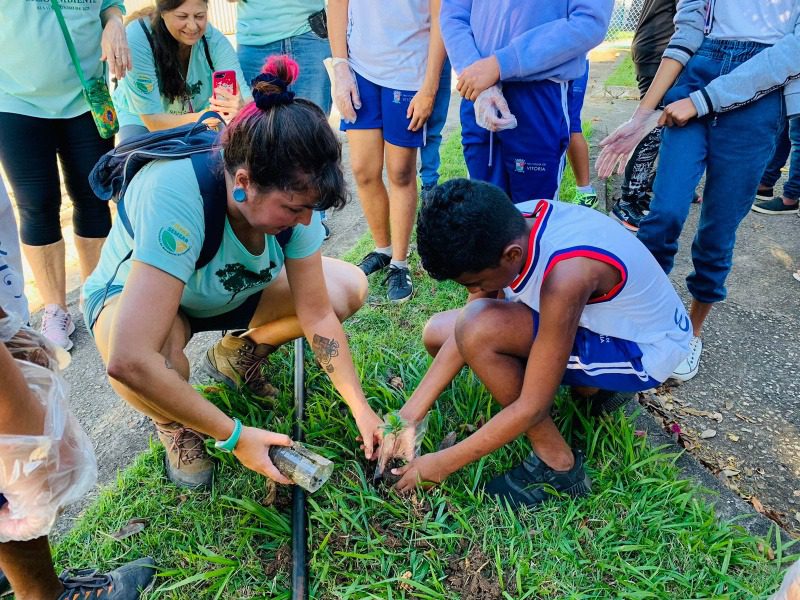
[225, 80]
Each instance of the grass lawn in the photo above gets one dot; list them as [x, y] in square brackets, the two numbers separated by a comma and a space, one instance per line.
[624, 73]
[642, 534]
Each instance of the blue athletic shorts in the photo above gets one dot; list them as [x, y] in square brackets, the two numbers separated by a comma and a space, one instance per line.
[604, 362]
[577, 92]
[525, 162]
[385, 109]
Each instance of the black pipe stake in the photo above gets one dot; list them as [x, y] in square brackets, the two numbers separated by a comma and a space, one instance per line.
[299, 517]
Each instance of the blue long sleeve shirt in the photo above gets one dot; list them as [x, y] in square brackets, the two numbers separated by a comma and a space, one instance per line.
[533, 40]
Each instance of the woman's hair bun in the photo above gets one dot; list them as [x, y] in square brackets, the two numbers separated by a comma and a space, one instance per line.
[270, 88]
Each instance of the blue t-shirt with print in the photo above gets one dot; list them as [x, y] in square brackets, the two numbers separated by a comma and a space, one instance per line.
[165, 208]
[139, 94]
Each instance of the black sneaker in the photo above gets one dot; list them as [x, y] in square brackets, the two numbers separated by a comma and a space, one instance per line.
[533, 482]
[765, 193]
[374, 262]
[124, 583]
[605, 402]
[400, 286]
[630, 214]
[775, 206]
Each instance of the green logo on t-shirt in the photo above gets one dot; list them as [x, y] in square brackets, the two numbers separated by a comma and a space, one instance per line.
[144, 84]
[174, 239]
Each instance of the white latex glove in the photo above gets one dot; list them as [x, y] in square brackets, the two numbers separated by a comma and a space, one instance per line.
[491, 110]
[618, 147]
[345, 91]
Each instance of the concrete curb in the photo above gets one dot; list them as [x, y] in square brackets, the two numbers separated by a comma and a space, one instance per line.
[728, 506]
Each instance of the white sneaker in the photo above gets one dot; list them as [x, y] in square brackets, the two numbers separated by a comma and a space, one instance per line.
[57, 326]
[691, 364]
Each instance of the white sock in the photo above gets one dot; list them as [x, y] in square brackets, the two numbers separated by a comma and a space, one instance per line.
[387, 251]
[585, 189]
[400, 263]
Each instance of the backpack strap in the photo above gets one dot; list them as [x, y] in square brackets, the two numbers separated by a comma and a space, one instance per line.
[208, 53]
[212, 189]
[148, 35]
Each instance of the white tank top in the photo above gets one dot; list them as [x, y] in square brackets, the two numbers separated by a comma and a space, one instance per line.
[388, 40]
[643, 308]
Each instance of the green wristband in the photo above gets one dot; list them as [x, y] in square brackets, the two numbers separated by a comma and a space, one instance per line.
[229, 445]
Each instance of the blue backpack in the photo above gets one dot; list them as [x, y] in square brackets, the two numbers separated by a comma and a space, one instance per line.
[110, 177]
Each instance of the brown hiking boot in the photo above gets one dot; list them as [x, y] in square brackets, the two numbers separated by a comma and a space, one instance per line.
[238, 360]
[187, 462]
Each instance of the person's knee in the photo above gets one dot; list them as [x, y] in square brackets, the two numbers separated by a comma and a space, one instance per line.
[473, 328]
[352, 292]
[402, 175]
[39, 225]
[367, 172]
[434, 335]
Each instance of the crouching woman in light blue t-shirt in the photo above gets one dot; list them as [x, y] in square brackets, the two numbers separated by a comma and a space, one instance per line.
[280, 163]
[175, 53]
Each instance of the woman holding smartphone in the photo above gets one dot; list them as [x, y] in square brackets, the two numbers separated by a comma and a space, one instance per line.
[175, 55]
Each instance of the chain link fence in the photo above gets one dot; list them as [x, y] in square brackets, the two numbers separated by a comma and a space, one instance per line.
[623, 19]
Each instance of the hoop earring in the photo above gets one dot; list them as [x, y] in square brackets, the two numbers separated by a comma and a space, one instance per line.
[239, 195]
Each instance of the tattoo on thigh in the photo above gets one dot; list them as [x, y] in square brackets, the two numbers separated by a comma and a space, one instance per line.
[325, 349]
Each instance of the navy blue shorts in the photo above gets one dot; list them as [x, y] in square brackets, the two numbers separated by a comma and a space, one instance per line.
[525, 162]
[385, 109]
[604, 362]
[577, 93]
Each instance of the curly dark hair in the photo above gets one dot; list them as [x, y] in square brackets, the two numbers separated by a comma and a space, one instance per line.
[464, 226]
[171, 81]
[285, 143]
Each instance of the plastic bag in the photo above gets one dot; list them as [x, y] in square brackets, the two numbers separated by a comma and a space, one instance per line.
[492, 112]
[39, 475]
[790, 588]
[401, 439]
[29, 345]
[618, 147]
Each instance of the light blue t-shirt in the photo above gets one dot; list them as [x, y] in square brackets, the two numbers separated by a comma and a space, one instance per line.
[138, 93]
[262, 22]
[165, 208]
[37, 77]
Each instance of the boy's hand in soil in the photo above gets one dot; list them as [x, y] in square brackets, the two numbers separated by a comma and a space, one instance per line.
[400, 445]
[252, 451]
[428, 468]
[369, 426]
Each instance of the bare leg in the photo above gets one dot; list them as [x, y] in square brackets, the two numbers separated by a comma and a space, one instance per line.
[49, 271]
[698, 313]
[499, 362]
[401, 168]
[275, 321]
[366, 158]
[88, 254]
[172, 351]
[29, 569]
[578, 155]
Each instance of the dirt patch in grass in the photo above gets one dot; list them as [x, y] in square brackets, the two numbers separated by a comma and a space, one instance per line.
[280, 563]
[474, 577]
